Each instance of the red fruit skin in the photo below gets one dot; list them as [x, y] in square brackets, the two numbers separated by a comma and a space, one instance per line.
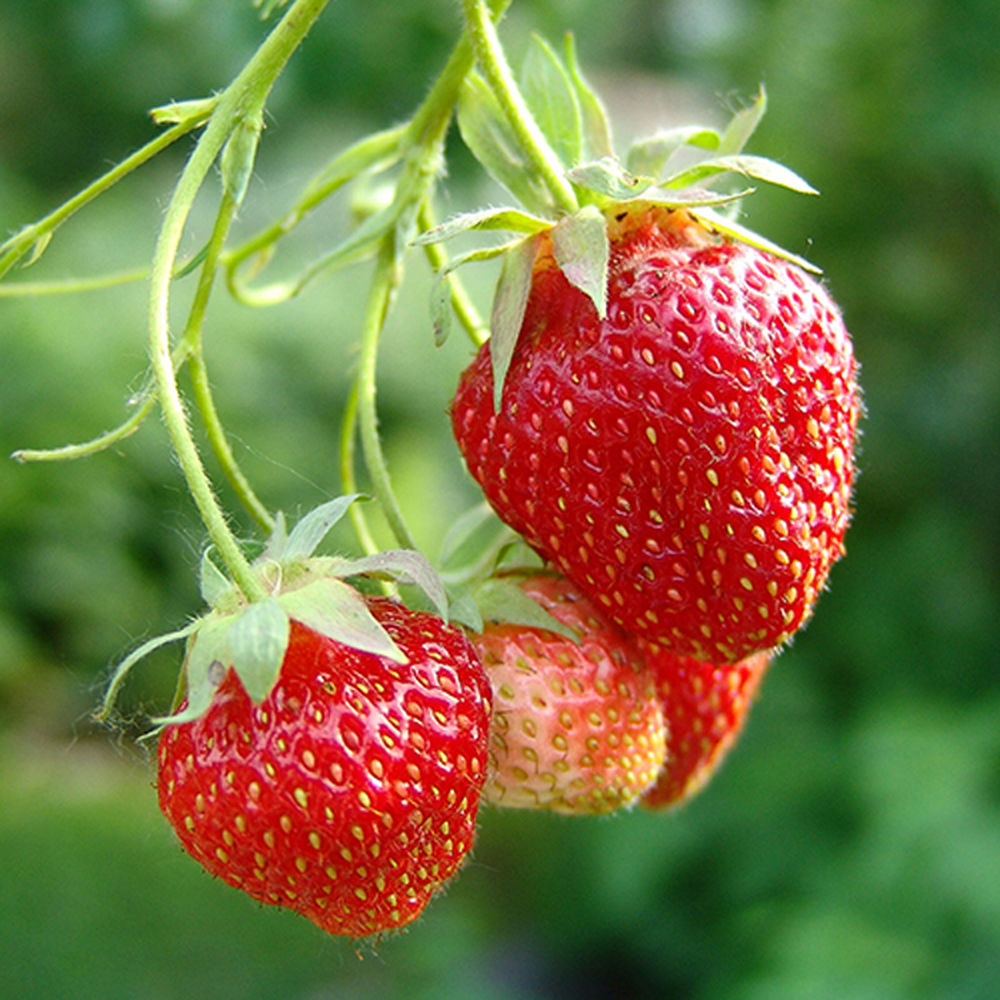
[688, 461]
[705, 706]
[350, 793]
[577, 726]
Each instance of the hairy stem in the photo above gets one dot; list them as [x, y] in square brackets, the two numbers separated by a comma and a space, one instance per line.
[244, 98]
[498, 74]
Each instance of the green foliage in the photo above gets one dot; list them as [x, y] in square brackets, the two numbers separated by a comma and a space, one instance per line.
[847, 850]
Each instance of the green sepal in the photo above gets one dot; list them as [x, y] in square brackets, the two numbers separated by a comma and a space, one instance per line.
[649, 155]
[401, 565]
[335, 609]
[503, 602]
[307, 534]
[743, 125]
[491, 140]
[728, 227]
[596, 125]
[214, 586]
[756, 167]
[465, 611]
[608, 179]
[581, 249]
[258, 638]
[552, 100]
[205, 665]
[509, 305]
[440, 294]
[512, 220]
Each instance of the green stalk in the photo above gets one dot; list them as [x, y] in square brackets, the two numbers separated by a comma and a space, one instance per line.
[192, 343]
[498, 74]
[242, 100]
[21, 242]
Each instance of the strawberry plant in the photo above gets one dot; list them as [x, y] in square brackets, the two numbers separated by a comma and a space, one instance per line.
[661, 413]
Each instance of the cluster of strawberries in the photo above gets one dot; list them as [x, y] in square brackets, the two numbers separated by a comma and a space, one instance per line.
[682, 465]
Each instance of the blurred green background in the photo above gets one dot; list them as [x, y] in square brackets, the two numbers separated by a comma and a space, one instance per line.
[849, 849]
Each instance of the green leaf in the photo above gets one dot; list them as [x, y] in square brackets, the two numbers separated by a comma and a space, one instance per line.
[757, 167]
[608, 178]
[403, 565]
[491, 140]
[335, 609]
[742, 125]
[648, 156]
[581, 249]
[258, 638]
[508, 219]
[596, 126]
[314, 526]
[374, 153]
[727, 227]
[504, 602]
[509, 305]
[552, 101]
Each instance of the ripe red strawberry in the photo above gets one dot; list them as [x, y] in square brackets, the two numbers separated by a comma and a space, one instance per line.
[705, 706]
[350, 793]
[688, 460]
[576, 726]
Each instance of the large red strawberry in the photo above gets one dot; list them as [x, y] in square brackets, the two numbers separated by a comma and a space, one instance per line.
[577, 727]
[705, 706]
[350, 792]
[688, 460]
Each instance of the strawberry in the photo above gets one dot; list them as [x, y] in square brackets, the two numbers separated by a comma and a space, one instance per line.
[688, 460]
[576, 725]
[350, 792]
[705, 706]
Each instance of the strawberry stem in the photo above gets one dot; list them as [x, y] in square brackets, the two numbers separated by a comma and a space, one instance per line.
[493, 63]
[243, 100]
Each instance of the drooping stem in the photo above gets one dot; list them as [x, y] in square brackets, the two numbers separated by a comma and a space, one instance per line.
[243, 99]
[498, 74]
[193, 345]
[384, 283]
[21, 242]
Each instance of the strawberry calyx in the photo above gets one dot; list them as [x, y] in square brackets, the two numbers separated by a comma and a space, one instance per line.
[252, 636]
[698, 168]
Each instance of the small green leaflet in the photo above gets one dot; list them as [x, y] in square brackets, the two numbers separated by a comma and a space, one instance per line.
[597, 140]
[257, 639]
[742, 125]
[727, 227]
[490, 138]
[403, 565]
[441, 289]
[502, 601]
[208, 658]
[509, 304]
[314, 526]
[236, 161]
[609, 179]
[552, 101]
[508, 219]
[757, 167]
[336, 610]
[213, 583]
[580, 247]
[648, 156]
